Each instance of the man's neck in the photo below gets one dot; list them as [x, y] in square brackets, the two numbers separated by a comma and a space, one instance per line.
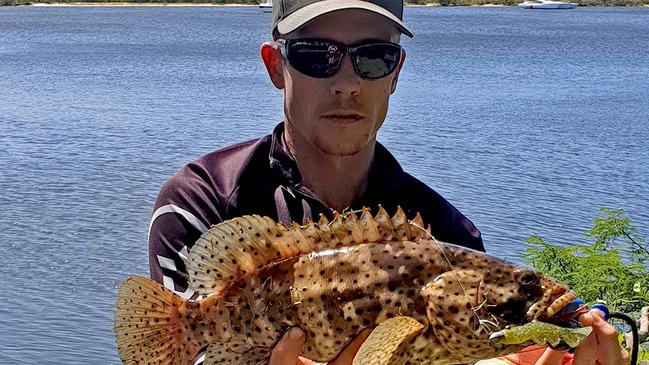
[336, 180]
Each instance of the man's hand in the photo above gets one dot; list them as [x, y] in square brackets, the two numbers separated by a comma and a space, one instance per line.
[601, 347]
[287, 351]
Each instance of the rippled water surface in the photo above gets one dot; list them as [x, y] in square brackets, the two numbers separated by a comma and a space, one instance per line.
[528, 121]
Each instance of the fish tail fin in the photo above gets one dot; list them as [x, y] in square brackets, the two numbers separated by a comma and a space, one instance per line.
[152, 324]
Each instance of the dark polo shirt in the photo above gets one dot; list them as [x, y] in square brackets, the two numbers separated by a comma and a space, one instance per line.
[261, 177]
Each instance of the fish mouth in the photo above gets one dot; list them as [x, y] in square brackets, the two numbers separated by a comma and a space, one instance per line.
[560, 303]
[564, 310]
[551, 303]
[568, 315]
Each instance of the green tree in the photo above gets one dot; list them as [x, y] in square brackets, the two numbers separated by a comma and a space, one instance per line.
[611, 267]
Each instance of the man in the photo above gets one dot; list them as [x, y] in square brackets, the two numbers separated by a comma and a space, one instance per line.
[338, 62]
[323, 157]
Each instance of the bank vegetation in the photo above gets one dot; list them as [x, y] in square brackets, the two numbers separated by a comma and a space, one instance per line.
[610, 266]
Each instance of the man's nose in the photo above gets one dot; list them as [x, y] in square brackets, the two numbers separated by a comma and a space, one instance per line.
[346, 82]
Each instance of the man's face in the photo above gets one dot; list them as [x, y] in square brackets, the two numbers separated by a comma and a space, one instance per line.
[339, 115]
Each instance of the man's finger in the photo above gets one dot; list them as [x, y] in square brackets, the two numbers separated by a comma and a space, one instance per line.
[347, 355]
[288, 348]
[586, 352]
[608, 345]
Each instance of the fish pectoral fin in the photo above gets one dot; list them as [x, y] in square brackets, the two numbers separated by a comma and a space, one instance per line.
[234, 353]
[387, 343]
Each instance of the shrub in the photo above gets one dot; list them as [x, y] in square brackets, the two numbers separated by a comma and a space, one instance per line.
[611, 267]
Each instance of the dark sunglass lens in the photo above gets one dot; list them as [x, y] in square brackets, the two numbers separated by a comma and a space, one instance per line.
[374, 61]
[314, 58]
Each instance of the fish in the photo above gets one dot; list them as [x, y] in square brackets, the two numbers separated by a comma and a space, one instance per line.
[425, 301]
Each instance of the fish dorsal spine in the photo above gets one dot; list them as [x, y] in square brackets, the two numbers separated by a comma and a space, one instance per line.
[238, 247]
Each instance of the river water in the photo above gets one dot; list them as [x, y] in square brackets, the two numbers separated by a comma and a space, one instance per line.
[528, 121]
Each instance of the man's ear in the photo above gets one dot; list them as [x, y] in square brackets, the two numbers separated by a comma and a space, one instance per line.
[395, 76]
[272, 57]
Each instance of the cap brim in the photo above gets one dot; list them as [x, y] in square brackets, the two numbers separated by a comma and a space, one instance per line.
[309, 12]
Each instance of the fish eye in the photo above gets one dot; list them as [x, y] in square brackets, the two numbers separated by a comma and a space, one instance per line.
[527, 277]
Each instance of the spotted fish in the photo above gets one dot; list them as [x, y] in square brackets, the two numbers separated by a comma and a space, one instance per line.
[427, 302]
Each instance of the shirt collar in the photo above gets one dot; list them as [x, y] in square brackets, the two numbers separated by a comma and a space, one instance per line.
[281, 160]
[385, 172]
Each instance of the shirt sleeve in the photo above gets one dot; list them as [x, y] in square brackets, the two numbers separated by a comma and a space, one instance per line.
[185, 209]
[171, 233]
[170, 237]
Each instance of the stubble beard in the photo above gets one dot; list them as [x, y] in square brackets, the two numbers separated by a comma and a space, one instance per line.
[338, 149]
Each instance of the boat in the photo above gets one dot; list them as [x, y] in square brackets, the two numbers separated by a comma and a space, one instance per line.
[267, 4]
[546, 4]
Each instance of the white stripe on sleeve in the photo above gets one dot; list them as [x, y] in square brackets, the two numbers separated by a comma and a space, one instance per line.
[200, 359]
[183, 253]
[170, 208]
[167, 263]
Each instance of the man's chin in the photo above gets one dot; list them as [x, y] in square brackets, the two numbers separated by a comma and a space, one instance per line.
[340, 149]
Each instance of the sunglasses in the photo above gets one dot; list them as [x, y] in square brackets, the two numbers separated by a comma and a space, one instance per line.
[322, 58]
